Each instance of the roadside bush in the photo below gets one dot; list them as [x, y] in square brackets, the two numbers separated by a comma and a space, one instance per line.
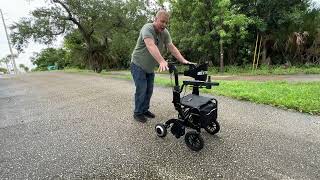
[3, 70]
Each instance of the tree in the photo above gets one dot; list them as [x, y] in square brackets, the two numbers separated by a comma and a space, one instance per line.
[21, 66]
[207, 27]
[50, 57]
[206, 30]
[94, 22]
[4, 70]
[279, 20]
[25, 68]
[7, 60]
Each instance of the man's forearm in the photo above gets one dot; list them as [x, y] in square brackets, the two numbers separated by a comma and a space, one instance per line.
[179, 57]
[176, 53]
[154, 51]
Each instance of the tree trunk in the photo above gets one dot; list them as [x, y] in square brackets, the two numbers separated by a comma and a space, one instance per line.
[264, 53]
[94, 57]
[221, 57]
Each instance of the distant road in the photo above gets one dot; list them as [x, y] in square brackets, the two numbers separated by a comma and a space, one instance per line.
[56, 125]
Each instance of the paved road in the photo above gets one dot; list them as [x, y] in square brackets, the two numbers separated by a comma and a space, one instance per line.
[68, 126]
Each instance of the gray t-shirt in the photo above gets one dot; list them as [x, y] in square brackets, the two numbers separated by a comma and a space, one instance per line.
[141, 55]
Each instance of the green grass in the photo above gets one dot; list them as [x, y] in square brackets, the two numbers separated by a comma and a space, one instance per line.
[303, 97]
[265, 70]
[262, 70]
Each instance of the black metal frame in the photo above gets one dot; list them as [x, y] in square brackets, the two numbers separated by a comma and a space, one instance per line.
[185, 111]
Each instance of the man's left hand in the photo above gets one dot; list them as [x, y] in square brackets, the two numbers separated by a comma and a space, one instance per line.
[187, 62]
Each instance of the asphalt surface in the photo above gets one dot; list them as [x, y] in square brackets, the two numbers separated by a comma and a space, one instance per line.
[68, 126]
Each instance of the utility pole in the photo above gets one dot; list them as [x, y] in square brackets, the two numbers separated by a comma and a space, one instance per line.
[12, 57]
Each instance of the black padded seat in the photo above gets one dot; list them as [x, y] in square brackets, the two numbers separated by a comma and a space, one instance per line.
[195, 101]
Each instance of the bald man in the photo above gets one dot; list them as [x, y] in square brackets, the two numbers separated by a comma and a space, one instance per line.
[154, 39]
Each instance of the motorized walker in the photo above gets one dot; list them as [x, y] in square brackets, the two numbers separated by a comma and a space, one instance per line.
[194, 111]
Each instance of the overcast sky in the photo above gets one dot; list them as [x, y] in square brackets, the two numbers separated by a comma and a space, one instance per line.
[13, 10]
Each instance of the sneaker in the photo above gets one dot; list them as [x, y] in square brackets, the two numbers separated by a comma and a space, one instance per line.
[149, 114]
[140, 118]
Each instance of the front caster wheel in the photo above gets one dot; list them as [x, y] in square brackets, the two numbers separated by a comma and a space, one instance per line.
[161, 130]
[213, 127]
[194, 141]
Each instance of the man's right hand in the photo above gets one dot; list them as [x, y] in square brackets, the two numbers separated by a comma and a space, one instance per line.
[163, 66]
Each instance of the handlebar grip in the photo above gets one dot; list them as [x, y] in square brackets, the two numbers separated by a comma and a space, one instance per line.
[200, 83]
[214, 83]
[172, 67]
[191, 66]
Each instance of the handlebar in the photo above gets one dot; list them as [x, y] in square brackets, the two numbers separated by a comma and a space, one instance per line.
[200, 83]
[198, 72]
[173, 68]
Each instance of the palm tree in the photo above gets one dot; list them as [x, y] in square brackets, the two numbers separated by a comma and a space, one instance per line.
[25, 68]
[7, 60]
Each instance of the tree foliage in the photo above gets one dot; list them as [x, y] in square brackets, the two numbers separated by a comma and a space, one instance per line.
[25, 68]
[206, 28]
[95, 23]
[280, 20]
[101, 34]
[7, 60]
[212, 30]
[51, 57]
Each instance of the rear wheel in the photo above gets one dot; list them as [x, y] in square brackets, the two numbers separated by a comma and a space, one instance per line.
[194, 141]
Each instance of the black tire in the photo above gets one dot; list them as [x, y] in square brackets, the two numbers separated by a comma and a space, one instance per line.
[161, 130]
[194, 141]
[213, 127]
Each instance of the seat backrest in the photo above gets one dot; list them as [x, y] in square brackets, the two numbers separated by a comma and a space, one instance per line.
[198, 72]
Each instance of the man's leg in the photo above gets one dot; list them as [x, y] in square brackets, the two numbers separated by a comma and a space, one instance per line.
[140, 80]
[150, 82]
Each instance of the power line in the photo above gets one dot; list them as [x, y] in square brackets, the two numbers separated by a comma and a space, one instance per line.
[12, 57]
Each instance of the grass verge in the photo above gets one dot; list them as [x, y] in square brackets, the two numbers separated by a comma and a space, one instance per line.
[267, 70]
[303, 97]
